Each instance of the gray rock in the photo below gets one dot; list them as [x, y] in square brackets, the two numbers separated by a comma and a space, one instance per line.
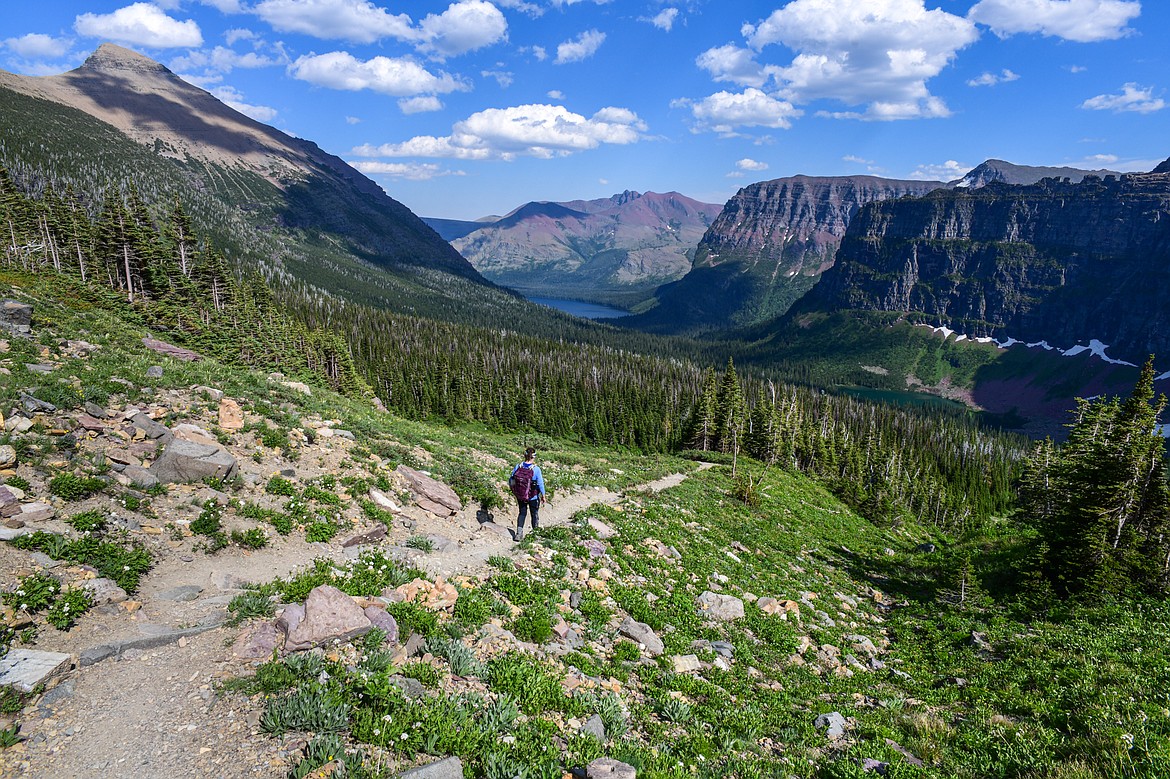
[641, 633]
[95, 655]
[153, 430]
[369, 536]
[430, 494]
[330, 615]
[104, 591]
[447, 768]
[38, 367]
[211, 392]
[412, 687]
[7, 456]
[61, 692]
[383, 621]
[11, 533]
[95, 411]
[139, 477]
[718, 606]
[291, 617]
[870, 765]
[594, 727]
[414, 645]
[181, 594]
[16, 317]
[154, 372]
[162, 347]
[24, 669]
[441, 544]
[184, 461]
[35, 404]
[574, 600]
[832, 723]
[980, 642]
[17, 424]
[608, 768]
[683, 664]
[863, 644]
[36, 512]
[602, 530]
[383, 501]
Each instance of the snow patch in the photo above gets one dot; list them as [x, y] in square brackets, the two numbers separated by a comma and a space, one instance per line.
[1163, 377]
[1097, 348]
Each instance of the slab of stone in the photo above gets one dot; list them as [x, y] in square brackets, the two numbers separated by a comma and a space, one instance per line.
[184, 461]
[211, 392]
[594, 727]
[329, 614]
[430, 494]
[447, 768]
[371, 535]
[383, 621]
[608, 768]
[24, 669]
[155, 636]
[34, 404]
[154, 372]
[500, 530]
[685, 664]
[642, 634]
[12, 533]
[152, 429]
[181, 594]
[602, 530]
[383, 501]
[719, 606]
[36, 512]
[7, 456]
[178, 352]
[17, 424]
[140, 477]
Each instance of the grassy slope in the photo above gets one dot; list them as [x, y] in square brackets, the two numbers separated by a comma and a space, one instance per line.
[1063, 690]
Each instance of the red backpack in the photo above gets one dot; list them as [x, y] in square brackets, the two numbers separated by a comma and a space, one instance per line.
[521, 482]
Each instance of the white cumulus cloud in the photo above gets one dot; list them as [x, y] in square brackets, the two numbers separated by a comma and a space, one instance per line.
[582, 47]
[537, 130]
[749, 164]
[359, 21]
[1132, 98]
[1073, 20]
[414, 171]
[873, 53]
[397, 76]
[989, 79]
[140, 24]
[722, 112]
[232, 96]
[38, 46]
[735, 64]
[465, 26]
[419, 105]
[223, 60]
[664, 19]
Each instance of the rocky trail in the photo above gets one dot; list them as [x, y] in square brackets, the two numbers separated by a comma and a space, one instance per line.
[143, 700]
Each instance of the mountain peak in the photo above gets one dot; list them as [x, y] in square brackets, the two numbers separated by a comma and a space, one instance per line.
[110, 56]
[1164, 167]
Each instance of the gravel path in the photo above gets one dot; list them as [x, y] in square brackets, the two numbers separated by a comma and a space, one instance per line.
[156, 714]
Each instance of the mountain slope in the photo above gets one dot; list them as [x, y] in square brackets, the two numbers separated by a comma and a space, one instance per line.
[334, 228]
[611, 248]
[1010, 173]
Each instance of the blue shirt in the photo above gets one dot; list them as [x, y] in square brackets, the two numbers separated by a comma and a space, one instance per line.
[537, 477]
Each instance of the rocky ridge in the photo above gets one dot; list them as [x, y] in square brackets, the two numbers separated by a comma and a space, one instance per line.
[1055, 262]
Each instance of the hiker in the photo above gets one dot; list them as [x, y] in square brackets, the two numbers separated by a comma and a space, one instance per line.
[527, 484]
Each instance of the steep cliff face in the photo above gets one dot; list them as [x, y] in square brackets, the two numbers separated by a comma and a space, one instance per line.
[591, 249]
[767, 248]
[1056, 262]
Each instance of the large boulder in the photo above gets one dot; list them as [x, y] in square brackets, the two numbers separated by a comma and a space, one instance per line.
[608, 768]
[185, 461]
[430, 494]
[15, 317]
[718, 606]
[642, 634]
[329, 614]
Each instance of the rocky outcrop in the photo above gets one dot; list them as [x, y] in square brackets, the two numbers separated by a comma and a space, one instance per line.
[429, 493]
[186, 461]
[767, 248]
[1056, 261]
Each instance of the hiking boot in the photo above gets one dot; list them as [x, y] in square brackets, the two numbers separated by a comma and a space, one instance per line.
[519, 534]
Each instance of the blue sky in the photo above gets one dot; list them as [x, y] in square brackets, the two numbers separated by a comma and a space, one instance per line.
[473, 107]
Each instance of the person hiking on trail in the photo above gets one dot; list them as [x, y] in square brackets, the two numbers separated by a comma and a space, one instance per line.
[527, 483]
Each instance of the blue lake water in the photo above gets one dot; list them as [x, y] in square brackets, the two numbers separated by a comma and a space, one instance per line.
[581, 308]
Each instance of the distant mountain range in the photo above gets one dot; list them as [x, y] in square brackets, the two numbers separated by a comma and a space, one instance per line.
[610, 249]
[271, 202]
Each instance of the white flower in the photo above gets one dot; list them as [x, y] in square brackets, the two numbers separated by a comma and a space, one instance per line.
[1128, 739]
[404, 737]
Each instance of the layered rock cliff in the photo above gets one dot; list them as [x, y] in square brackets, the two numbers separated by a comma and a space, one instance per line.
[1055, 261]
[767, 248]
